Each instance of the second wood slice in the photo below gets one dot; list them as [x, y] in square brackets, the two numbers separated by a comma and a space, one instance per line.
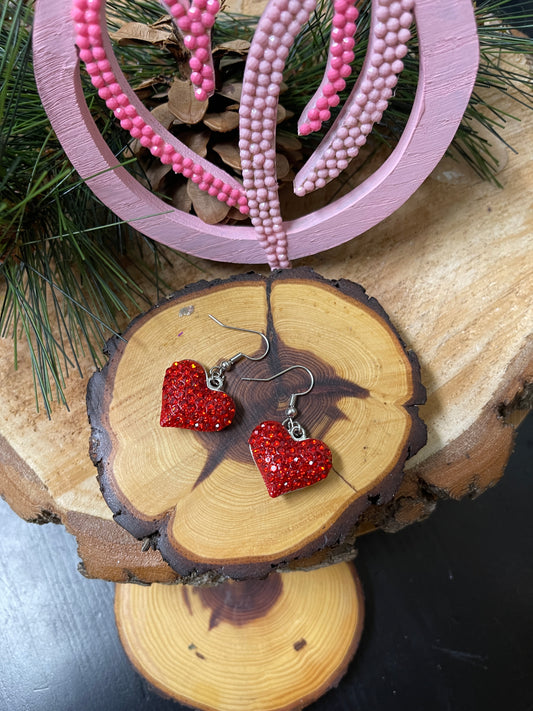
[198, 497]
[256, 645]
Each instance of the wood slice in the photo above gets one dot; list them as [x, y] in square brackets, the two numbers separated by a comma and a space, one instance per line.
[257, 645]
[452, 268]
[198, 496]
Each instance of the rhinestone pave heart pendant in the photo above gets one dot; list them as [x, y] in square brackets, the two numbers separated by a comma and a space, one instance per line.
[189, 403]
[287, 464]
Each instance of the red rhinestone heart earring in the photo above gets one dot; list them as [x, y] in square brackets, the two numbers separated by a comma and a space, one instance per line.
[285, 456]
[193, 399]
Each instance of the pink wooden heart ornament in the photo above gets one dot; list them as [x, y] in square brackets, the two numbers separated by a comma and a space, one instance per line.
[287, 464]
[66, 31]
[188, 402]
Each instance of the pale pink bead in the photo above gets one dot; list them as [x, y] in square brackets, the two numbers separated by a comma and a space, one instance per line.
[397, 66]
[380, 29]
[405, 20]
[404, 35]
[389, 55]
[395, 9]
[401, 51]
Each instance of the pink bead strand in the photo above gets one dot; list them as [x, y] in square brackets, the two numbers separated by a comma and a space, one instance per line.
[89, 18]
[338, 68]
[195, 22]
[277, 28]
[389, 33]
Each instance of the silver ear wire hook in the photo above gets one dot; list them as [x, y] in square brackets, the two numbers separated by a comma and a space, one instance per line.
[215, 378]
[295, 429]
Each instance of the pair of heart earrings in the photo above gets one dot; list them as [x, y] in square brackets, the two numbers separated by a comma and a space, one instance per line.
[194, 399]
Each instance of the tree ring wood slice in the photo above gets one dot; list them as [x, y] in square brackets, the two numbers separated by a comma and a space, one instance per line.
[256, 645]
[198, 496]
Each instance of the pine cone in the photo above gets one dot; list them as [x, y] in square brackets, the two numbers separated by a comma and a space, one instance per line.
[209, 128]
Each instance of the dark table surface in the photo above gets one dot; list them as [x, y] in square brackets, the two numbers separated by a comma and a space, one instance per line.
[449, 615]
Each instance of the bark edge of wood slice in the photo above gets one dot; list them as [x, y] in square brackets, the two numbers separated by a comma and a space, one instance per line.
[255, 645]
[198, 497]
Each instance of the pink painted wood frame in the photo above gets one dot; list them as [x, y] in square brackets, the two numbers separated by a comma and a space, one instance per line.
[448, 66]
